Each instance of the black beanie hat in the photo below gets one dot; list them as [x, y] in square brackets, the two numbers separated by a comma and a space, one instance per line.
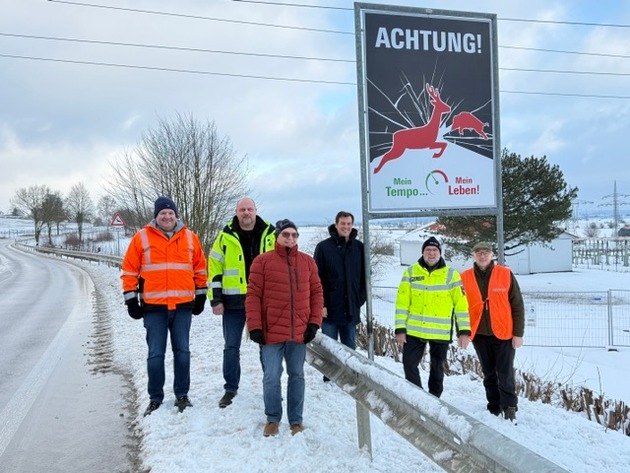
[432, 241]
[164, 203]
[284, 224]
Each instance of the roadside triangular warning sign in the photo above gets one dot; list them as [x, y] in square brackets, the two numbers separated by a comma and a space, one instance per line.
[117, 221]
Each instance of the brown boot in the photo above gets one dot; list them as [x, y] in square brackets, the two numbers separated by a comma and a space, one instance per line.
[296, 428]
[271, 428]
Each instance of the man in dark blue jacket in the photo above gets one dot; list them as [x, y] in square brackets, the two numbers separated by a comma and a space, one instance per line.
[341, 265]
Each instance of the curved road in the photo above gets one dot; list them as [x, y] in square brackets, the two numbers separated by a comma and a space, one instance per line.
[57, 414]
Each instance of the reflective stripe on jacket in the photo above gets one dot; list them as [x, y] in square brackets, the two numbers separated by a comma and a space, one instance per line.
[497, 301]
[427, 301]
[164, 271]
[226, 263]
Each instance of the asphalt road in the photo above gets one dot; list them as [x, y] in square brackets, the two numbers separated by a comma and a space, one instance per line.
[62, 406]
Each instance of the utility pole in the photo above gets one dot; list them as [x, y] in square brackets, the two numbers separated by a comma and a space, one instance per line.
[576, 210]
[615, 205]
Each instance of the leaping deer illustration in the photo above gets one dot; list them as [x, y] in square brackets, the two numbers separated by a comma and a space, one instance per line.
[419, 137]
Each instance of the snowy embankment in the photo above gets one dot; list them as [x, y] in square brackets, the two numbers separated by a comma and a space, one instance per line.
[206, 438]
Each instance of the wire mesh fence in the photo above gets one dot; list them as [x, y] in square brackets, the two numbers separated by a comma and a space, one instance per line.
[553, 319]
[608, 254]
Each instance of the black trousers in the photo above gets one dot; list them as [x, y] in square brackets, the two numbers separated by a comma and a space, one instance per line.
[497, 363]
[413, 351]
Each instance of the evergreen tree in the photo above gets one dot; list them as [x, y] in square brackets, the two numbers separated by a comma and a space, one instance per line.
[536, 199]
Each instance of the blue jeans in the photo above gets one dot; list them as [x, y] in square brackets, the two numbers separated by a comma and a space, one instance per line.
[345, 333]
[233, 324]
[294, 354]
[158, 322]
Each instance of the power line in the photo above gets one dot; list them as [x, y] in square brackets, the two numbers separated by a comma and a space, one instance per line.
[561, 94]
[553, 22]
[207, 18]
[269, 55]
[318, 30]
[285, 79]
[571, 23]
[199, 17]
[564, 51]
[171, 48]
[280, 56]
[560, 71]
[299, 5]
[168, 69]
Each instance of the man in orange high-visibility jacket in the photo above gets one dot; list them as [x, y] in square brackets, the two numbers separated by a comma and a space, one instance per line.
[164, 281]
[497, 323]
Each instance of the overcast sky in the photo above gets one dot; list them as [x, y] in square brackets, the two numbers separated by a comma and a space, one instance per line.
[63, 121]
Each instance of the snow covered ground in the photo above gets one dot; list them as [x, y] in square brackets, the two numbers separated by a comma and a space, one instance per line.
[207, 438]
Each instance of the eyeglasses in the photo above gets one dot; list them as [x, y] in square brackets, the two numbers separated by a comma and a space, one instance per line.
[293, 235]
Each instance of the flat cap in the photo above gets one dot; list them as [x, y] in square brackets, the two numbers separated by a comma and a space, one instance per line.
[482, 246]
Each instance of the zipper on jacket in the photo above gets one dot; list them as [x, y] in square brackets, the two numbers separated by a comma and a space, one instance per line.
[290, 294]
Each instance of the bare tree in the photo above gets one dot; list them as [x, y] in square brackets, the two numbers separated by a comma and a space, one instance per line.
[592, 231]
[188, 161]
[129, 188]
[79, 206]
[381, 253]
[30, 201]
[106, 208]
[53, 213]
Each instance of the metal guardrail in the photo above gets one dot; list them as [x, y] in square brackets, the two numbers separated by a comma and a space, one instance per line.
[455, 441]
[82, 255]
[452, 439]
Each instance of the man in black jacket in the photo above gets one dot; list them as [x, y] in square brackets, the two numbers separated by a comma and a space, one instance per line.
[341, 265]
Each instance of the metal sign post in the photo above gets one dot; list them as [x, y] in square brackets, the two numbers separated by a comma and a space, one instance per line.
[428, 121]
[118, 223]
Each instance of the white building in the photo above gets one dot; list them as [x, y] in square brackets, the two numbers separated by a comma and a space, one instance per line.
[558, 257]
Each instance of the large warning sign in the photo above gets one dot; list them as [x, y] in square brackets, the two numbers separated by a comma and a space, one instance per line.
[427, 86]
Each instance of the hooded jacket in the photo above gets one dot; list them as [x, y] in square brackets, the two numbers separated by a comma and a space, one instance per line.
[341, 268]
[284, 295]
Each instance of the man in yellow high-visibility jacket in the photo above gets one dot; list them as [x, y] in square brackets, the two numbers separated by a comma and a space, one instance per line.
[243, 238]
[430, 302]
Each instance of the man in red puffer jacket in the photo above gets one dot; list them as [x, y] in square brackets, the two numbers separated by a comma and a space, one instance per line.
[283, 306]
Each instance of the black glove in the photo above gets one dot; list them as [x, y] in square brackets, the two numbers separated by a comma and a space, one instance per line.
[200, 302]
[134, 309]
[309, 333]
[257, 336]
